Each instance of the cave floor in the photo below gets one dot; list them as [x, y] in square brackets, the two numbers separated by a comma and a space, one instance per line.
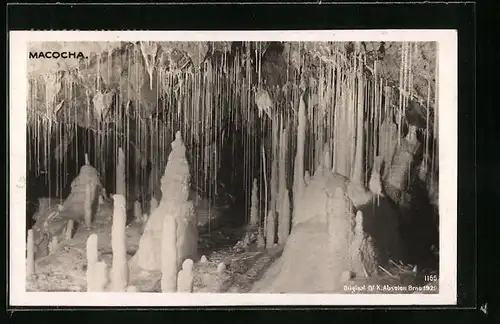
[245, 265]
[64, 270]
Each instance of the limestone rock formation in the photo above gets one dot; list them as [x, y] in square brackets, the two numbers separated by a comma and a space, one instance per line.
[343, 242]
[53, 215]
[73, 207]
[174, 203]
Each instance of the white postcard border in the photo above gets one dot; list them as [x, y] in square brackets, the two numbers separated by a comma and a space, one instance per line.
[448, 173]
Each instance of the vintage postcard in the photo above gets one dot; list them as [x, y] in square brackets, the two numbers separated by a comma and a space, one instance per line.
[264, 168]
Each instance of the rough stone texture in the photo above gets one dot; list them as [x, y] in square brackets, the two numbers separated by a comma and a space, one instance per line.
[329, 240]
[401, 172]
[73, 207]
[174, 203]
[52, 216]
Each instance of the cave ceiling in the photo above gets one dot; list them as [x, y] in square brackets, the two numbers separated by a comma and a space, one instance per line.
[114, 70]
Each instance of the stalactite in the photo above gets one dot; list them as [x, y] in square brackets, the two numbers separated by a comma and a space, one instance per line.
[120, 174]
[358, 171]
[264, 169]
[282, 167]
[274, 166]
[254, 212]
[298, 187]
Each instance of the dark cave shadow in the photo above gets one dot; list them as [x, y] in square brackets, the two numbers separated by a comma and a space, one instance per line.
[403, 234]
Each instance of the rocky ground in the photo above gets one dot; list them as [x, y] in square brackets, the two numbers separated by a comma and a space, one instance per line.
[245, 266]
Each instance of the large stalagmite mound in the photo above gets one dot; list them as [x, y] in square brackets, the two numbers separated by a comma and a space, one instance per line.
[174, 203]
[51, 218]
[330, 242]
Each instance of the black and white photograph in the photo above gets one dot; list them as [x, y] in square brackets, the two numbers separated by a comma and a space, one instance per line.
[258, 164]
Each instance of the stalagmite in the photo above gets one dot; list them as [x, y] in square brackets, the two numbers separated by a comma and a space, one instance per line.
[169, 255]
[92, 250]
[87, 206]
[53, 245]
[400, 176]
[270, 229]
[298, 185]
[175, 204]
[221, 267]
[97, 272]
[282, 166]
[260, 240]
[97, 277]
[69, 229]
[284, 219]
[121, 188]
[137, 212]
[327, 159]
[307, 178]
[185, 277]
[375, 184]
[118, 244]
[274, 167]
[132, 289]
[153, 205]
[30, 258]
[203, 259]
[254, 212]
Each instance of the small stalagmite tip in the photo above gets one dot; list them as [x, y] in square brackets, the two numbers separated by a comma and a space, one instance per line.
[203, 259]
[178, 136]
[187, 264]
[221, 267]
